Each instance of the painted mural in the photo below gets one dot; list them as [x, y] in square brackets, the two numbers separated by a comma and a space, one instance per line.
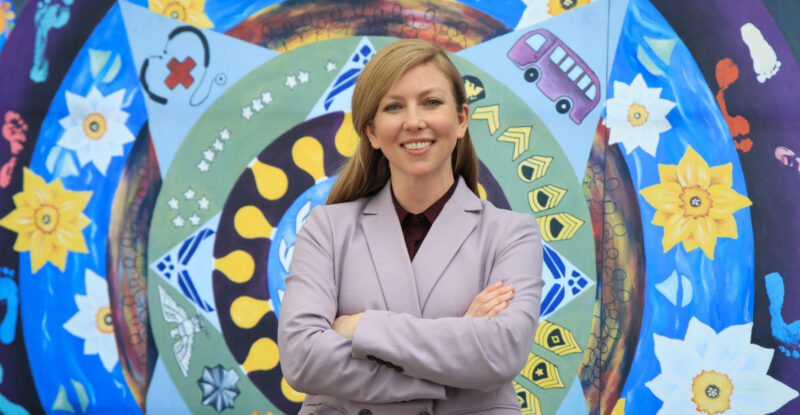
[160, 156]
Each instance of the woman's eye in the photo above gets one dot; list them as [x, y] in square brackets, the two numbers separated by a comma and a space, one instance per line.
[433, 101]
[391, 107]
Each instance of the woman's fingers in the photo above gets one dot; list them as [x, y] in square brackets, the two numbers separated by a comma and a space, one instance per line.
[497, 299]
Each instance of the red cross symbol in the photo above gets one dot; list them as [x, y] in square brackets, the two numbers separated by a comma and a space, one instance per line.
[180, 73]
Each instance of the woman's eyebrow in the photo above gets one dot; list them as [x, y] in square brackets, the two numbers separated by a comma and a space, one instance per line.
[426, 91]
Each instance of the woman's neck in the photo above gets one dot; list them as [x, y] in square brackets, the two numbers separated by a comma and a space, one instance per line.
[417, 194]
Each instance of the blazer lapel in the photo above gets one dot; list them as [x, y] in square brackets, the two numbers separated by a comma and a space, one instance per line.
[456, 221]
[389, 254]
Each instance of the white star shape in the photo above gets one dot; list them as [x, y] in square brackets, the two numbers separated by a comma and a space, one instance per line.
[257, 105]
[330, 66]
[225, 134]
[303, 77]
[266, 97]
[218, 145]
[194, 219]
[173, 203]
[203, 203]
[203, 166]
[247, 113]
[189, 194]
[178, 222]
[208, 155]
[291, 81]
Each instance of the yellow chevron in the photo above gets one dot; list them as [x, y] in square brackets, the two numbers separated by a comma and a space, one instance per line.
[545, 197]
[520, 136]
[557, 339]
[558, 227]
[491, 114]
[528, 402]
[541, 372]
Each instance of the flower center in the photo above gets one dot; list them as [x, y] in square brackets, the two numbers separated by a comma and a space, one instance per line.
[567, 4]
[711, 392]
[696, 202]
[46, 218]
[175, 11]
[637, 115]
[94, 126]
[104, 321]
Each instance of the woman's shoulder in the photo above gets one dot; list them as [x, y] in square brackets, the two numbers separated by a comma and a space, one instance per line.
[506, 216]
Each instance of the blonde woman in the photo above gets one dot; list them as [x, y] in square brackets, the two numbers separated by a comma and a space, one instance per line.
[407, 293]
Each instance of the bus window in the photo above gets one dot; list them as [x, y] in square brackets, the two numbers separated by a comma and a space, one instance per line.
[536, 41]
[575, 73]
[558, 54]
[566, 64]
[591, 92]
[585, 80]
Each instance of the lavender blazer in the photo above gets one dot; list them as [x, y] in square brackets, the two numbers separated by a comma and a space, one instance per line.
[412, 352]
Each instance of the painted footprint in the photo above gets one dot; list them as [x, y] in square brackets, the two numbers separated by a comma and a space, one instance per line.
[765, 61]
[788, 335]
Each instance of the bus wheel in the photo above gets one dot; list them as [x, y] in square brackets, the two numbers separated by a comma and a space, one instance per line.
[531, 74]
[563, 106]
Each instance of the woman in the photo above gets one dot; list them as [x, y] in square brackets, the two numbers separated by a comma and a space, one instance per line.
[374, 321]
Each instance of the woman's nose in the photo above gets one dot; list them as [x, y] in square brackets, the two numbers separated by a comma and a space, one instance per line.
[414, 119]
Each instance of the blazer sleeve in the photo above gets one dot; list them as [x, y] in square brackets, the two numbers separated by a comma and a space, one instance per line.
[314, 358]
[465, 352]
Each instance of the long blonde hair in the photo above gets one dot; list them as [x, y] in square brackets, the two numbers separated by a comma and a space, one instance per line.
[368, 170]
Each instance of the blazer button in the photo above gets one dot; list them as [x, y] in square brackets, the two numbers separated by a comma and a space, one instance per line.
[365, 412]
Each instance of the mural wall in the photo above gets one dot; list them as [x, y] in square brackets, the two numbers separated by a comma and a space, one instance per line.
[160, 156]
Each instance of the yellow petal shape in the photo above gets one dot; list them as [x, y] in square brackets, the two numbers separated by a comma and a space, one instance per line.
[664, 197]
[726, 227]
[247, 311]
[290, 393]
[20, 200]
[263, 355]
[693, 170]
[19, 220]
[23, 242]
[676, 229]
[70, 237]
[705, 231]
[58, 257]
[81, 221]
[40, 250]
[271, 182]
[668, 173]
[35, 189]
[726, 201]
[250, 223]
[238, 266]
[200, 20]
[70, 203]
[690, 244]
[660, 218]
[722, 175]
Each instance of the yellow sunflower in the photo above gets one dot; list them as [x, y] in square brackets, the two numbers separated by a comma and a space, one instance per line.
[48, 220]
[189, 11]
[695, 203]
[556, 7]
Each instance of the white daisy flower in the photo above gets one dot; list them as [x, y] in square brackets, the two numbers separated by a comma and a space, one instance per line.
[93, 321]
[95, 127]
[710, 373]
[637, 116]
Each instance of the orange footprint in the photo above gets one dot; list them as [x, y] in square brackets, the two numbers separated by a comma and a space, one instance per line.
[727, 73]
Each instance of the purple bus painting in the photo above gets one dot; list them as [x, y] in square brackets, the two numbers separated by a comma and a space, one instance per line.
[559, 73]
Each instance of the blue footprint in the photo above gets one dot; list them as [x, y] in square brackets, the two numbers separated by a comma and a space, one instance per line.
[787, 334]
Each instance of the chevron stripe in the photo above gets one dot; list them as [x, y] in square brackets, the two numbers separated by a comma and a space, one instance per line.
[520, 136]
[491, 114]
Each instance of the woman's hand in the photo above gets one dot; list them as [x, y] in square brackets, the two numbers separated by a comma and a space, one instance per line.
[346, 325]
[490, 301]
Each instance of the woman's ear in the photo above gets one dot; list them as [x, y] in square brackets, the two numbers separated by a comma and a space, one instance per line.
[463, 120]
[373, 139]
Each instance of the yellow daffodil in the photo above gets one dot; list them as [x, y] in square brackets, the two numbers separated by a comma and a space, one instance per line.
[695, 203]
[189, 11]
[48, 220]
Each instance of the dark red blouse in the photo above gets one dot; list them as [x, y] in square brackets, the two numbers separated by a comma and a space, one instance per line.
[416, 227]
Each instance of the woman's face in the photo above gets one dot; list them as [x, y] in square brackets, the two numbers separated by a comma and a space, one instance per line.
[417, 125]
